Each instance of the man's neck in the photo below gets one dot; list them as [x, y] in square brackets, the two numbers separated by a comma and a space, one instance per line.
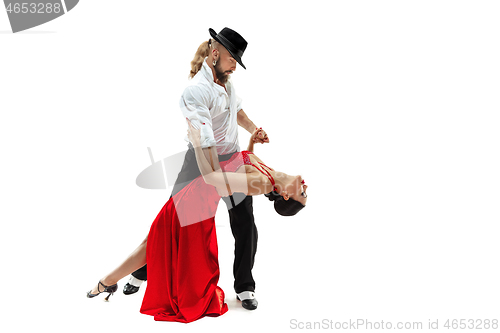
[216, 81]
[222, 85]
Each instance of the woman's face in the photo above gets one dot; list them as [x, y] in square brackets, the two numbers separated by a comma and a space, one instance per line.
[296, 190]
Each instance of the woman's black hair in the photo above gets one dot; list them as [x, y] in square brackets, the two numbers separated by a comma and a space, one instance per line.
[284, 207]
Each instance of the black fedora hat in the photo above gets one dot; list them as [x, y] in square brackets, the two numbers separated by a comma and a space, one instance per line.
[232, 41]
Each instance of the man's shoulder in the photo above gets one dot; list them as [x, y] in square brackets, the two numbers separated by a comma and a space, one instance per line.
[196, 90]
[198, 86]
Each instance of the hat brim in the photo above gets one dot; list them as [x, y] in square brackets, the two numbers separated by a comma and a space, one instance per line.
[235, 56]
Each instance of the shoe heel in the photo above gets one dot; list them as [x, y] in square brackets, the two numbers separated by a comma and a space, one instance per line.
[107, 289]
[111, 290]
[107, 297]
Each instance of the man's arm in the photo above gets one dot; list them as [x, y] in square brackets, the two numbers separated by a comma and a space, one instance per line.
[221, 180]
[214, 176]
[208, 163]
[203, 156]
[247, 124]
[193, 104]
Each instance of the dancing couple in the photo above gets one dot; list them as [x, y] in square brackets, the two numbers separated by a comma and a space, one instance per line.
[181, 250]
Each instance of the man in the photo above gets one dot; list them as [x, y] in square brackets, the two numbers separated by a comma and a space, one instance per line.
[210, 103]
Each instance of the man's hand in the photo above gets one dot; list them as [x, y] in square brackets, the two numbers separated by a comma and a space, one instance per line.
[247, 124]
[260, 136]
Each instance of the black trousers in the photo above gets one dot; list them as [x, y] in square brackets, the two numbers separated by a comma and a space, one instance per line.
[241, 220]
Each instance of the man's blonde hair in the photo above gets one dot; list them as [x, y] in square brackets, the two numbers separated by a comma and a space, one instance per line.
[203, 51]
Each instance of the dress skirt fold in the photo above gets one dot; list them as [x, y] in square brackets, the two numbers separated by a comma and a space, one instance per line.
[182, 258]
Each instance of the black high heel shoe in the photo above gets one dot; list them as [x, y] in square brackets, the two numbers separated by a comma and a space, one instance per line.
[107, 289]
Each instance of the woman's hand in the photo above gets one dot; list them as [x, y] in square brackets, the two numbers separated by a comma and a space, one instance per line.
[260, 136]
[193, 134]
[253, 137]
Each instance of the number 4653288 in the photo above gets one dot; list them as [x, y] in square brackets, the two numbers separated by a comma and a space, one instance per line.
[471, 324]
[34, 8]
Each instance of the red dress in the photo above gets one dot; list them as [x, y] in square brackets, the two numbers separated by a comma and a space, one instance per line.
[182, 254]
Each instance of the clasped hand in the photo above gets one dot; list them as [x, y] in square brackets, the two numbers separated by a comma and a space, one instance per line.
[259, 136]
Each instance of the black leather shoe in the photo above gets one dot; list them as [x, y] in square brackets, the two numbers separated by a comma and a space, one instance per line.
[249, 304]
[130, 289]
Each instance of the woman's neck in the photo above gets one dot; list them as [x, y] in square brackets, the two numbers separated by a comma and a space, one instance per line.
[281, 180]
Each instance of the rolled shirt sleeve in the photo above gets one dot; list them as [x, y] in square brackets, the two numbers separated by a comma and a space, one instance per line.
[239, 104]
[194, 104]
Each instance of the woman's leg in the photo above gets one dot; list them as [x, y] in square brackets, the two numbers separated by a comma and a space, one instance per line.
[135, 260]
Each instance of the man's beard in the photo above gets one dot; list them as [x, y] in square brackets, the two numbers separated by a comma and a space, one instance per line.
[222, 77]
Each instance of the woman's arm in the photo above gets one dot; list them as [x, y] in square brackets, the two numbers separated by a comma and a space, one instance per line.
[251, 142]
[257, 133]
[250, 184]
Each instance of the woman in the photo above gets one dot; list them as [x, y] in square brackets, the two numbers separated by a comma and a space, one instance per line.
[181, 248]
[289, 192]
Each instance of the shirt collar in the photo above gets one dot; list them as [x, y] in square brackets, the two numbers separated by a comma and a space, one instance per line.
[207, 72]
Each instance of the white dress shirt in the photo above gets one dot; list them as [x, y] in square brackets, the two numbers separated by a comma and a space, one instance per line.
[208, 106]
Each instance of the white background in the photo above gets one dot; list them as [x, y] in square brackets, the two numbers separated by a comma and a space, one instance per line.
[389, 110]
